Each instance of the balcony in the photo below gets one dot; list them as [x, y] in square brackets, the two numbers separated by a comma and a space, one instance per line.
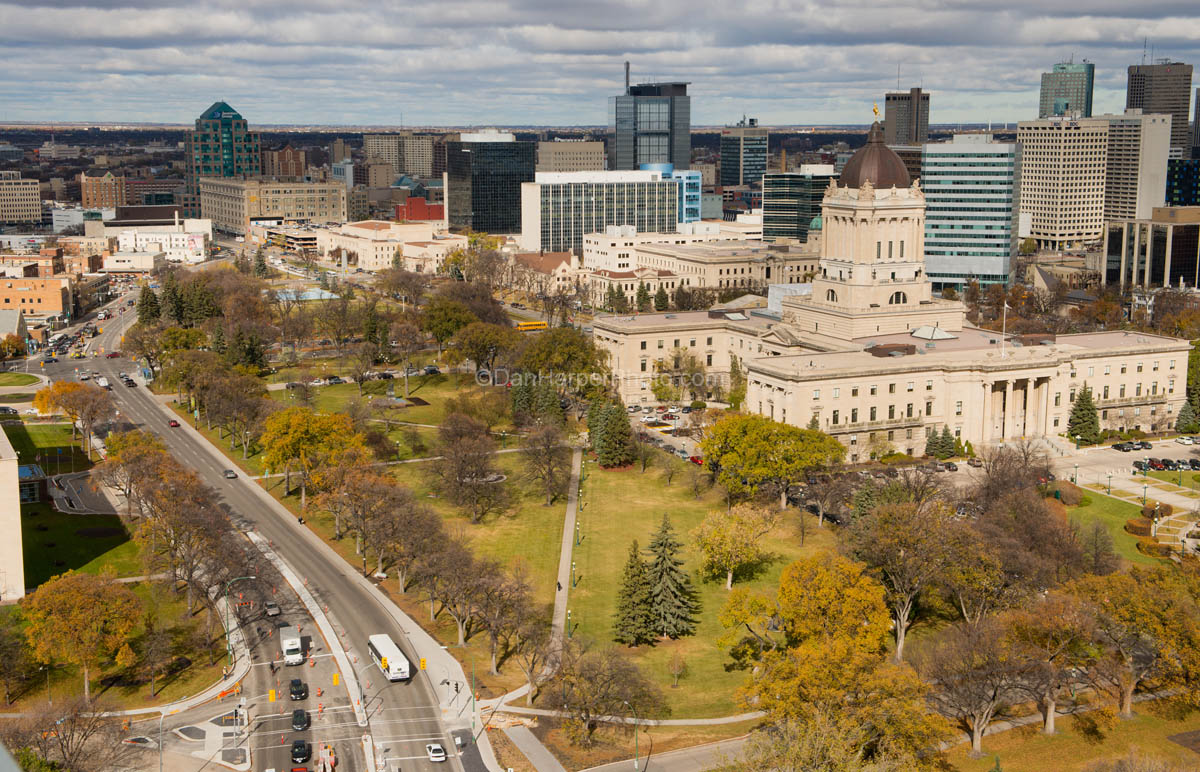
[886, 423]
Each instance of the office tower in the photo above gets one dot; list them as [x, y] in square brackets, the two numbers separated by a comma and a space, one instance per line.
[1196, 129]
[743, 153]
[1067, 90]
[911, 155]
[105, 191]
[1136, 177]
[1064, 162]
[484, 173]
[407, 153]
[906, 117]
[650, 123]
[570, 155]
[235, 205]
[1183, 182]
[557, 209]
[374, 173]
[792, 201]
[690, 187]
[20, 199]
[1163, 87]
[972, 187]
[343, 172]
[221, 145]
[339, 151]
[287, 161]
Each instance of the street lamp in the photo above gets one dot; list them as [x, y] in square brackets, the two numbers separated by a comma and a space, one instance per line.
[228, 637]
[635, 732]
[1075, 476]
[1078, 437]
[1146, 467]
[1144, 486]
[1110, 485]
[49, 699]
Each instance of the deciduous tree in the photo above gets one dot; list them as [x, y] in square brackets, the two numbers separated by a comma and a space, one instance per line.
[598, 684]
[730, 540]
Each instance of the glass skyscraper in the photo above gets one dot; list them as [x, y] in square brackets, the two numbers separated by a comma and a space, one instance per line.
[971, 189]
[221, 145]
[483, 184]
[561, 208]
[791, 200]
[743, 153]
[1067, 89]
[651, 123]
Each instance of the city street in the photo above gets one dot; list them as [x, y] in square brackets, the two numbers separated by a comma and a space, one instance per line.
[404, 716]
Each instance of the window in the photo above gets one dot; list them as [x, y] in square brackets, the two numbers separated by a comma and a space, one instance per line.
[692, 343]
[1122, 368]
[928, 408]
[1106, 392]
[878, 249]
[872, 413]
[708, 360]
[874, 391]
[853, 439]
[835, 418]
[909, 386]
[1171, 386]
[1154, 387]
[676, 343]
[1171, 365]
[1091, 371]
[958, 407]
[897, 299]
[831, 296]
[1154, 367]
[891, 435]
[643, 345]
[853, 391]
[1056, 422]
[1137, 411]
[1137, 389]
[1139, 367]
[908, 434]
[928, 385]
[854, 415]
[1072, 396]
[908, 412]
[643, 365]
[816, 393]
[891, 411]
[1121, 391]
[660, 345]
[1107, 369]
[891, 388]
[708, 342]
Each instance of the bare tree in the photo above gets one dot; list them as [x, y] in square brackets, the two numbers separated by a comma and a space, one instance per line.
[501, 603]
[534, 652]
[78, 734]
[598, 685]
[829, 494]
[548, 460]
[362, 363]
[467, 472]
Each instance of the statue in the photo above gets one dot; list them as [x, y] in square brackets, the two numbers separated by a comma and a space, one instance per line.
[867, 191]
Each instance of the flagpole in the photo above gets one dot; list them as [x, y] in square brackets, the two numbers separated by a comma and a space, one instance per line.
[1004, 329]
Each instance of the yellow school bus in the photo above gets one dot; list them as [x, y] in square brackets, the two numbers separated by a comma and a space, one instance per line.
[530, 326]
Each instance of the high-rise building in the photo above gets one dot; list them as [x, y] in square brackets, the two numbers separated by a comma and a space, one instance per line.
[339, 151]
[20, 199]
[570, 155]
[12, 494]
[408, 153]
[1196, 129]
[651, 123]
[743, 153]
[104, 191]
[374, 173]
[690, 187]
[483, 178]
[1136, 178]
[557, 210]
[1067, 90]
[1064, 162]
[1163, 87]
[972, 187]
[1183, 182]
[287, 161]
[221, 145]
[792, 201]
[235, 205]
[906, 117]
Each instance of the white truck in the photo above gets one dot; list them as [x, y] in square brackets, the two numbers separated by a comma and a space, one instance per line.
[290, 644]
[102, 382]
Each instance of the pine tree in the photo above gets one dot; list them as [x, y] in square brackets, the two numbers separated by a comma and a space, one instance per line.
[673, 605]
[815, 423]
[932, 444]
[616, 438]
[1084, 422]
[643, 297]
[1186, 423]
[148, 310]
[595, 422]
[521, 395]
[198, 303]
[661, 301]
[610, 298]
[946, 443]
[171, 301]
[546, 406]
[969, 450]
[260, 264]
[218, 339]
[372, 327]
[632, 623]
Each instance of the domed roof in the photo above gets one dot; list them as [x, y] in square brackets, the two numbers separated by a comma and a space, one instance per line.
[875, 162]
[816, 224]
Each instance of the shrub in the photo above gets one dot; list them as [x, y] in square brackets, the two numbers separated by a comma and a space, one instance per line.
[1068, 493]
[897, 458]
[1085, 501]
[1148, 546]
[1137, 434]
[1138, 526]
[699, 404]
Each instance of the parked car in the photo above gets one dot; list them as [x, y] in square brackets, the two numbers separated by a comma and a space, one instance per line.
[1139, 465]
[1143, 445]
[1169, 464]
[951, 466]
[632, 409]
[1194, 463]
[696, 460]
[432, 370]
[1124, 447]
[976, 462]
[1157, 465]
[1184, 440]
[434, 751]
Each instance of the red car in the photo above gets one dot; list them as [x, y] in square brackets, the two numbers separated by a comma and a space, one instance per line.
[173, 423]
[112, 355]
[696, 460]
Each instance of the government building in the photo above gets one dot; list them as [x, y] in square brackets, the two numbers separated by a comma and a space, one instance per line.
[880, 362]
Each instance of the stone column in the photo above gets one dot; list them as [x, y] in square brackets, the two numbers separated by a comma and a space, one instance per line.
[986, 436]
[1046, 407]
[1124, 255]
[1007, 421]
[1167, 257]
[1134, 256]
[1149, 255]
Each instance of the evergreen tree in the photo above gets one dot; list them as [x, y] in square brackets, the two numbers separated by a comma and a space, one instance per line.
[373, 331]
[241, 264]
[398, 259]
[1084, 422]
[959, 450]
[946, 443]
[595, 422]
[521, 395]
[632, 623]
[1186, 423]
[932, 444]
[673, 605]
[323, 283]
[969, 450]
[616, 437]
[148, 311]
[661, 301]
[171, 301]
[218, 339]
[199, 303]
[546, 406]
[643, 297]
[260, 264]
[815, 423]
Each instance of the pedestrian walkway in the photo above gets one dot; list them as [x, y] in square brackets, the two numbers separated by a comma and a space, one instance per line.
[541, 759]
[566, 552]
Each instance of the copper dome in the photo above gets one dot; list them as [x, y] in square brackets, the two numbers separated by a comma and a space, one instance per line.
[875, 162]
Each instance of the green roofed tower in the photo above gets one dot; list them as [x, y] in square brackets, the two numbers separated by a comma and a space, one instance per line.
[221, 145]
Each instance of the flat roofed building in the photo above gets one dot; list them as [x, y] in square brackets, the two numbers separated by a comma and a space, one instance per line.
[220, 145]
[1163, 87]
[375, 243]
[1064, 164]
[906, 117]
[650, 124]
[1067, 90]
[792, 202]
[570, 155]
[743, 153]
[102, 191]
[484, 174]
[233, 205]
[12, 558]
[1136, 178]
[1162, 250]
[20, 199]
[45, 297]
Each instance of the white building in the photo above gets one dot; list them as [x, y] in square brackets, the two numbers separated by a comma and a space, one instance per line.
[972, 189]
[375, 243]
[184, 242]
[1136, 179]
[1064, 161]
[134, 262]
[63, 217]
[430, 256]
[879, 362]
[559, 209]
[12, 558]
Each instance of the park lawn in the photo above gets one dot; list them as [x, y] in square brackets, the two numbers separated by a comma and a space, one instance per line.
[55, 542]
[618, 744]
[17, 379]
[192, 672]
[13, 397]
[30, 440]
[1189, 479]
[625, 504]
[1074, 747]
[1114, 514]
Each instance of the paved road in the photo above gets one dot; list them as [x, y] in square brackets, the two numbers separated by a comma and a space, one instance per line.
[404, 716]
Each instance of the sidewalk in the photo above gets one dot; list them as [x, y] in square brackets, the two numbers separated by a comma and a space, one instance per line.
[533, 749]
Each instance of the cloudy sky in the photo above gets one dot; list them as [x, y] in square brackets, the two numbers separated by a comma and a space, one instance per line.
[554, 62]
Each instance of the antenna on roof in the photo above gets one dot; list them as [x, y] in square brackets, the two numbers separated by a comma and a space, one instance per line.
[627, 77]
[1144, 41]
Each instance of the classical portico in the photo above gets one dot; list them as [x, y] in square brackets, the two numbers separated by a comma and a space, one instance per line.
[1015, 407]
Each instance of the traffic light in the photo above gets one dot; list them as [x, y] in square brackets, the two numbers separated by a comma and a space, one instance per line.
[271, 696]
[456, 687]
[335, 678]
[383, 662]
[422, 663]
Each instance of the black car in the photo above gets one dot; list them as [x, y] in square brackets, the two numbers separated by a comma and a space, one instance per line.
[432, 370]
[299, 720]
[1169, 464]
[298, 689]
[1194, 464]
[1124, 447]
[1143, 445]
[300, 752]
[1139, 465]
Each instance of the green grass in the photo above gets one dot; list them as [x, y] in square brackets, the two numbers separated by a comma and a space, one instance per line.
[434, 389]
[20, 396]
[91, 543]
[1114, 515]
[622, 505]
[33, 440]
[18, 379]
[1079, 744]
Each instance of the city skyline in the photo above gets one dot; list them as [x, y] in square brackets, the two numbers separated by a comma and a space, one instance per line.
[530, 63]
